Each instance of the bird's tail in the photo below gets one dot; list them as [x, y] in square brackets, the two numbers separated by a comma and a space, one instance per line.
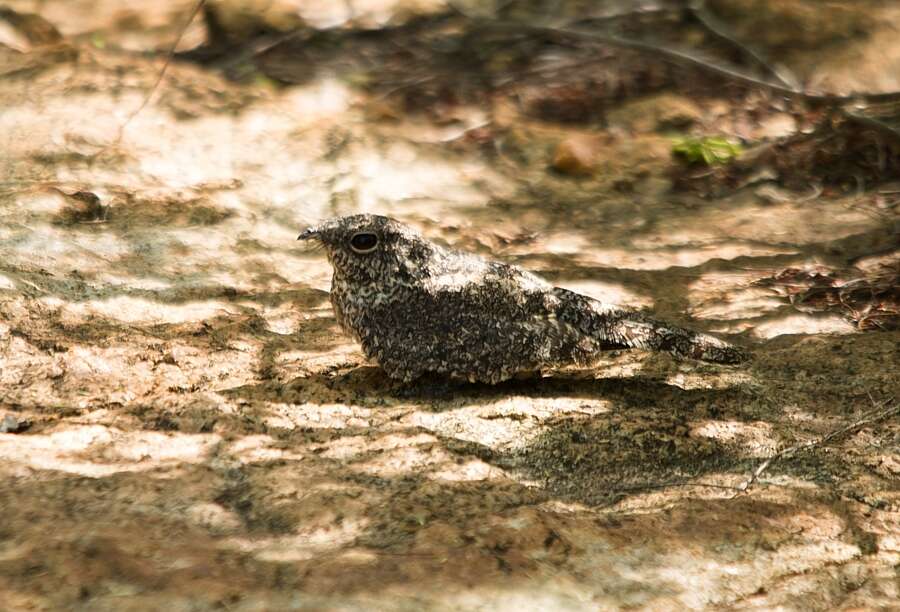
[615, 327]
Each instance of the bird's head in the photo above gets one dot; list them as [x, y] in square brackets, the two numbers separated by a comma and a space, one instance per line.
[366, 249]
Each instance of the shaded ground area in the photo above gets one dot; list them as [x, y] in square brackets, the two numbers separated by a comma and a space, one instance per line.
[185, 427]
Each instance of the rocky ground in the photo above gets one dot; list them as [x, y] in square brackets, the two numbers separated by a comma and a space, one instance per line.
[185, 427]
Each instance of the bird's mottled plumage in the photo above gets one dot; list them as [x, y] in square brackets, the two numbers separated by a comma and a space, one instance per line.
[417, 307]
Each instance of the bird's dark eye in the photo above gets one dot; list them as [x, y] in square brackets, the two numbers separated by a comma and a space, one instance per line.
[364, 242]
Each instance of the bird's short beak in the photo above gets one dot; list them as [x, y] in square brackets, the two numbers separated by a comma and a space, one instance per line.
[310, 233]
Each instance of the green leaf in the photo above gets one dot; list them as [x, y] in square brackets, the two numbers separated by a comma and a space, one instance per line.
[710, 150]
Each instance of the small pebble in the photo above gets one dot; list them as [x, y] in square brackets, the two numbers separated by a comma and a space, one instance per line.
[12, 424]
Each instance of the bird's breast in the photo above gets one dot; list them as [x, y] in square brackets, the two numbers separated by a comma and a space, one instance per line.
[357, 306]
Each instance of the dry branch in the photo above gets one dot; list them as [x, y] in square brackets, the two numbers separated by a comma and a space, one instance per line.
[876, 415]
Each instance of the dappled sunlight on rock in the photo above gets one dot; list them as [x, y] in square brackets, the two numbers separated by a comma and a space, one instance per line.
[708, 380]
[336, 416]
[562, 243]
[556, 594]
[702, 582]
[779, 228]
[875, 262]
[53, 247]
[402, 460]
[139, 310]
[88, 362]
[391, 455]
[538, 407]
[375, 13]
[803, 324]
[106, 372]
[419, 130]
[507, 423]
[97, 451]
[284, 321]
[258, 448]
[350, 447]
[317, 361]
[610, 293]
[496, 433]
[889, 543]
[670, 257]
[318, 277]
[389, 179]
[473, 469]
[213, 517]
[757, 438]
[729, 295]
[322, 100]
[742, 545]
[307, 544]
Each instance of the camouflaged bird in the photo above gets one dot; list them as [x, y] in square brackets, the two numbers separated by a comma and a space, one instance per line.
[417, 307]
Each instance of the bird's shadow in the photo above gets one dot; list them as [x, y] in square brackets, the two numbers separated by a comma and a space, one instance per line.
[436, 393]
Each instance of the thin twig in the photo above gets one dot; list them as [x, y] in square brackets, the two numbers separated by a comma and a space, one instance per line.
[162, 73]
[873, 122]
[684, 57]
[716, 27]
[676, 483]
[257, 47]
[878, 414]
